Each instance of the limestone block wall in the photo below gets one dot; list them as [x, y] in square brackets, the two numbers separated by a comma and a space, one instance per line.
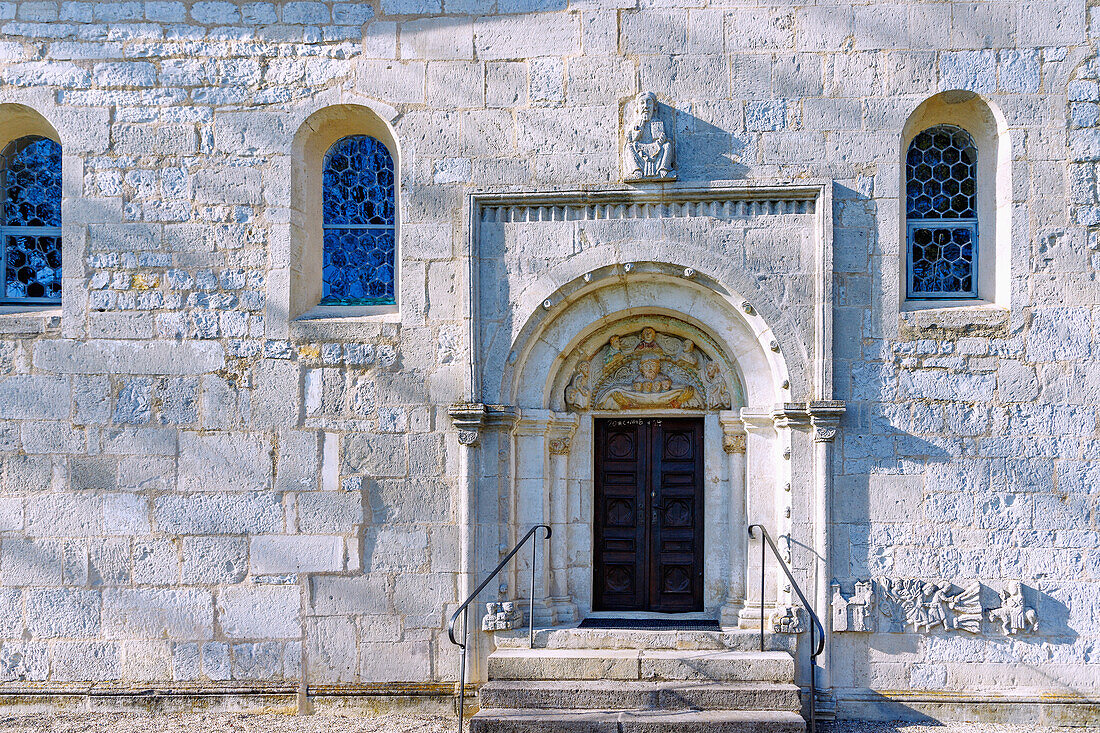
[193, 492]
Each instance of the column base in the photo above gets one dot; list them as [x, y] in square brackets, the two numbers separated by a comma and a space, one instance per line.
[749, 616]
[563, 611]
[730, 615]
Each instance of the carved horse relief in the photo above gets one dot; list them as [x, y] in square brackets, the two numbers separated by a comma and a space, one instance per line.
[648, 369]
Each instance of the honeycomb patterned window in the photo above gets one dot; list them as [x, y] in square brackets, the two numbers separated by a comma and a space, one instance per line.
[358, 209]
[941, 193]
[30, 228]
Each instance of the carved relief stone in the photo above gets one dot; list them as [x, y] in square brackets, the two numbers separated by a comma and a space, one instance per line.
[856, 613]
[788, 620]
[926, 605]
[501, 617]
[1014, 615]
[649, 153]
[649, 369]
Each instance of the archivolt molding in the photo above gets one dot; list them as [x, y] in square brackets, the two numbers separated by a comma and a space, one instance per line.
[548, 348]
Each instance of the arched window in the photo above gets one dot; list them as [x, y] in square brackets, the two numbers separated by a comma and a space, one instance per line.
[30, 187]
[357, 182]
[941, 208]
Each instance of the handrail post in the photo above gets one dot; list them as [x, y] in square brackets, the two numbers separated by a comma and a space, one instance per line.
[763, 573]
[462, 668]
[464, 611]
[531, 600]
[816, 646]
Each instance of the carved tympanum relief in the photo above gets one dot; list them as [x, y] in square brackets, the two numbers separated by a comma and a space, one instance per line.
[912, 604]
[649, 153]
[646, 369]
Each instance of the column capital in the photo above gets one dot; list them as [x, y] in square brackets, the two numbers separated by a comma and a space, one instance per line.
[559, 433]
[467, 418]
[825, 418]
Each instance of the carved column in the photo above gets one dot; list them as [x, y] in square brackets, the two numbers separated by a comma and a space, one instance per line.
[559, 439]
[825, 419]
[733, 443]
[467, 419]
[761, 479]
[532, 496]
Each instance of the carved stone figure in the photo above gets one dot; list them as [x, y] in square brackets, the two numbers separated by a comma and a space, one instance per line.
[787, 620]
[501, 617]
[577, 394]
[1014, 615]
[718, 395]
[649, 153]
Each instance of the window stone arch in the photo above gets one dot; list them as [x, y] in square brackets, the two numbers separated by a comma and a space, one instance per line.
[946, 237]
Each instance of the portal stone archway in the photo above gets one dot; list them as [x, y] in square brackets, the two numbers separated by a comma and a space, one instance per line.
[697, 305]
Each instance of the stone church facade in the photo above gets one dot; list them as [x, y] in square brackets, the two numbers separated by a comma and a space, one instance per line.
[264, 422]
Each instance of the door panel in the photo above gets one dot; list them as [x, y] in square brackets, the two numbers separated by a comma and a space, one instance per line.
[676, 531]
[648, 534]
[620, 539]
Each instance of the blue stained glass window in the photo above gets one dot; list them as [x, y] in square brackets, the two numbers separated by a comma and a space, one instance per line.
[30, 227]
[941, 203]
[358, 203]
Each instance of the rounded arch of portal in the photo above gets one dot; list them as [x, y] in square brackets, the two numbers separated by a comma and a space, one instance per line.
[577, 323]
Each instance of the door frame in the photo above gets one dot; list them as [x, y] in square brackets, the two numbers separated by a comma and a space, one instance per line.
[648, 555]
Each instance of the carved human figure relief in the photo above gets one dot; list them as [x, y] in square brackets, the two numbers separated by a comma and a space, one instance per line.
[928, 605]
[649, 153]
[648, 369]
[1014, 615]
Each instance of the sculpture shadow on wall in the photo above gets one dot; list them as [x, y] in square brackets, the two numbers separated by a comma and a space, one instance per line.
[707, 151]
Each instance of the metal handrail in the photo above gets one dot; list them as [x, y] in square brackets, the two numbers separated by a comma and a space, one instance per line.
[464, 609]
[815, 650]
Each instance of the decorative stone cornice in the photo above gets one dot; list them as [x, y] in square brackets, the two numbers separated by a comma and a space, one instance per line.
[732, 202]
[468, 417]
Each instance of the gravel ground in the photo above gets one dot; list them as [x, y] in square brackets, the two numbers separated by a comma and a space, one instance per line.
[327, 723]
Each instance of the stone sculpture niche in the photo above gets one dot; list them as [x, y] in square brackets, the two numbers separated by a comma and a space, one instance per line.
[646, 370]
[649, 153]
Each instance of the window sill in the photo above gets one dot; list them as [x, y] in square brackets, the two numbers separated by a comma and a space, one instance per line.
[29, 320]
[344, 322]
[952, 320]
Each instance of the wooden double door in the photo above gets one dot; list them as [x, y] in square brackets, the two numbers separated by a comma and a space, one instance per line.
[648, 536]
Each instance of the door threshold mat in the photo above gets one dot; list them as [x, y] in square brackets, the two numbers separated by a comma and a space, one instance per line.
[650, 624]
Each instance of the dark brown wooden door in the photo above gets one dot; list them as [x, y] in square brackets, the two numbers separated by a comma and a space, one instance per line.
[648, 542]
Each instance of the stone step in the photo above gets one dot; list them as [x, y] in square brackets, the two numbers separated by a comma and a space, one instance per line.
[607, 694]
[742, 640]
[501, 720]
[635, 664]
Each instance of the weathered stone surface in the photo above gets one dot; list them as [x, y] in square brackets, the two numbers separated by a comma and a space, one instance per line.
[223, 461]
[278, 554]
[260, 612]
[219, 513]
[157, 614]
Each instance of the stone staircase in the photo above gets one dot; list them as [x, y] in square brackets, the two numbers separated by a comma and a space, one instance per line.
[618, 681]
